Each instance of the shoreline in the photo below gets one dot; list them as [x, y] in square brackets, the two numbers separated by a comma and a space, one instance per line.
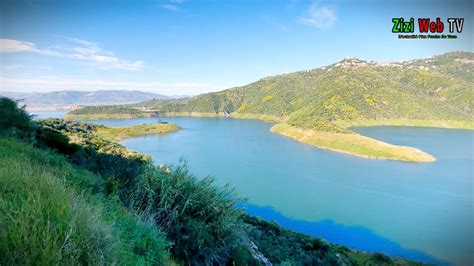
[429, 123]
[352, 144]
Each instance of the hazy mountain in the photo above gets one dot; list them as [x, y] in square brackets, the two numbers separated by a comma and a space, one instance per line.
[71, 97]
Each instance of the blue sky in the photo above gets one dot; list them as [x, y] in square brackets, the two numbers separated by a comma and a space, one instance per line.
[184, 47]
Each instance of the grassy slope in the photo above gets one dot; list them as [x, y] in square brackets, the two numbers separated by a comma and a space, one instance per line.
[49, 216]
[120, 133]
[426, 92]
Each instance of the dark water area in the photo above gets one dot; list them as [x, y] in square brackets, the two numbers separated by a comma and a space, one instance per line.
[355, 237]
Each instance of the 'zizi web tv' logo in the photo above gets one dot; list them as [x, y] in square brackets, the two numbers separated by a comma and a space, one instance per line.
[428, 29]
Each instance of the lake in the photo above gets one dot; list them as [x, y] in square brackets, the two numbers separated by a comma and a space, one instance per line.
[421, 211]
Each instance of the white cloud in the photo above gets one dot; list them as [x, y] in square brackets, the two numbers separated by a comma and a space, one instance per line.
[56, 83]
[170, 7]
[321, 17]
[14, 46]
[91, 51]
[13, 67]
[82, 50]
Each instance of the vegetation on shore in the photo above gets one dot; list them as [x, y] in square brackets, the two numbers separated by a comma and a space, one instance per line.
[120, 133]
[68, 196]
[433, 92]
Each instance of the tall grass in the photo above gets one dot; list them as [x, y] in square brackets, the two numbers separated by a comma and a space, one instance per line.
[200, 218]
[43, 221]
[47, 215]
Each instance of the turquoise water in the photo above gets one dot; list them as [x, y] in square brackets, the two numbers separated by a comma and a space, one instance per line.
[419, 211]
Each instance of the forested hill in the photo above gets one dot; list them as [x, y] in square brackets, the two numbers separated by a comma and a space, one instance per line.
[437, 88]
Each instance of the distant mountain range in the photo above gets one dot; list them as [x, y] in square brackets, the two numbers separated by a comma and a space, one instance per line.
[67, 98]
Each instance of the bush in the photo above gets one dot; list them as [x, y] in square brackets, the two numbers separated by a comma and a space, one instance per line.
[14, 120]
[202, 220]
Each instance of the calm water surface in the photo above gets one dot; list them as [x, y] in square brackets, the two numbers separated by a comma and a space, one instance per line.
[419, 211]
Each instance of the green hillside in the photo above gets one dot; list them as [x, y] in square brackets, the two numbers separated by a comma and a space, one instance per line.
[438, 88]
[435, 91]
[50, 216]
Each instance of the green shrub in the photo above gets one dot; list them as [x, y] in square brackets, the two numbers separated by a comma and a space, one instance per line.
[14, 120]
[200, 219]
